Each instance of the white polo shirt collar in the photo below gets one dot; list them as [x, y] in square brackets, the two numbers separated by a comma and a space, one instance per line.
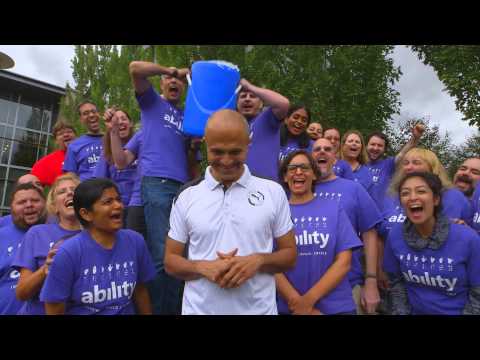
[212, 183]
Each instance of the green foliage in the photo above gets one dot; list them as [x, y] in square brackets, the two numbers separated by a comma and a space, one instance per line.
[469, 149]
[458, 67]
[344, 86]
[399, 134]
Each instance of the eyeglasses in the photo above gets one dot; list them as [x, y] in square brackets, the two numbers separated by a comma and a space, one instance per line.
[87, 112]
[324, 148]
[294, 167]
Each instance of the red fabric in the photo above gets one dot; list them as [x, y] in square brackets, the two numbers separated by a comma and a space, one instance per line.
[48, 168]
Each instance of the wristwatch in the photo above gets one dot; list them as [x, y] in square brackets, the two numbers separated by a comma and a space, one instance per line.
[373, 276]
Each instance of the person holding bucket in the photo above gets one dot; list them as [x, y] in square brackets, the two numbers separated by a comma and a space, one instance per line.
[264, 148]
[164, 167]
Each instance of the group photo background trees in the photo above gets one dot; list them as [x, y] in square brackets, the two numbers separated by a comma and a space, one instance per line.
[349, 87]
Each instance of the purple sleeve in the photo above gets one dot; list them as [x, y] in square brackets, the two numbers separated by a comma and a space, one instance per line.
[456, 206]
[24, 257]
[346, 237]
[70, 164]
[101, 170]
[147, 99]
[134, 144]
[347, 172]
[368, 214]
[146, 269]
[58, 284]
[270, 119]
[390, 166]
[390, 262]
[473, 262]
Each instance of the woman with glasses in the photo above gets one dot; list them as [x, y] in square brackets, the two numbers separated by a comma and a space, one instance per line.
[325, 238]
[103, 269]
[39, 244]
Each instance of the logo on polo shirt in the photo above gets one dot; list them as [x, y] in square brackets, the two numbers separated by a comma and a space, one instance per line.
[256, 198]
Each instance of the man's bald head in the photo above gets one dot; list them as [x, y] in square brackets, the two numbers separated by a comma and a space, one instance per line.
[29, 178]
[227, 124]
[227, 138]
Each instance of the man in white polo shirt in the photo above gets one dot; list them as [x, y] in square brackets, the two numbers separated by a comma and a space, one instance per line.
[230, 220]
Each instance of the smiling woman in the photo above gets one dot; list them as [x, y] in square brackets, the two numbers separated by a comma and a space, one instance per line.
[433, 264]
[103, 269]
[38, 248]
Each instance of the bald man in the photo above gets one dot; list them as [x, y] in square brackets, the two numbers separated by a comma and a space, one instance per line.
[24, 179]
[231, 221]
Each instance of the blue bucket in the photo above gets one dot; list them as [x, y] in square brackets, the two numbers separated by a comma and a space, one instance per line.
[214, 86]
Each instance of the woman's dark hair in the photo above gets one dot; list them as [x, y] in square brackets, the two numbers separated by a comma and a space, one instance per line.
[380, 136]
[87, 193]
[284, 167]
[303, 139]
[432, 181]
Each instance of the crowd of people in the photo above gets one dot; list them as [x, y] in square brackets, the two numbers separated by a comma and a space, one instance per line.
[290, 217]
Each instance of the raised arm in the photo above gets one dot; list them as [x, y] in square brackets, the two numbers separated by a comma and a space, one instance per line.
[122, 158]
[140, 71]
[417, 133]
[278, 103]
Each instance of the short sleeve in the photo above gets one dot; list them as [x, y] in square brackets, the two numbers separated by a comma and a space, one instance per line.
[283, 217]
[60, 279]
[368, 215]
[70, 164]
[133, 144]
[146, 268]
[101, 170]
[178, 224]
[147, 99]
[24, 258]
[390, 262]
[473, 262]
[347, 239]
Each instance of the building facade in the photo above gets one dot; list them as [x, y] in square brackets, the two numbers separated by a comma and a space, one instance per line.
[28, 110]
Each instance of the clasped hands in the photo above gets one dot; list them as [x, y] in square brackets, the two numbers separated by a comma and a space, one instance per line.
[229, 271]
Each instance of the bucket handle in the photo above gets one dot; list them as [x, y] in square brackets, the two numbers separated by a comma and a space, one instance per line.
[189, 80]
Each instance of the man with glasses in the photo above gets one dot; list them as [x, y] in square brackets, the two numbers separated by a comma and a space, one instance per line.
[48, 168]
[364, 216]
[83, 153]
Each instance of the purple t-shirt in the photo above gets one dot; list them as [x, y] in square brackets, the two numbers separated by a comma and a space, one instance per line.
[135, 147]
[454, 206]
[361, 210]
[475, 221]
[381, 171]
[322, 230]
[437, 281]
[262, 157]
[342, 169]
[93, 280]
[362, 176]
[124, 179]
[5, 220]
[291, 146]
[164, 150]
[83, 155]
[36, 244]
[10, 241]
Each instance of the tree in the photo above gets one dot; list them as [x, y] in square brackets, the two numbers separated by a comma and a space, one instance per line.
[344, 86]
[471, 148]
[458, 67]
[432, 139]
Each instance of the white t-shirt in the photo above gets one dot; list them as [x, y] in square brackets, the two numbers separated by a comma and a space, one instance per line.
[248, 216]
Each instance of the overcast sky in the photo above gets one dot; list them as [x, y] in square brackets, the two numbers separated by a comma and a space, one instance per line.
[421, 92]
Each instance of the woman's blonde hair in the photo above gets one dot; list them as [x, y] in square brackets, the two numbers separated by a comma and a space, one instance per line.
[362, 157]
[434, 164]
[52, 210]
